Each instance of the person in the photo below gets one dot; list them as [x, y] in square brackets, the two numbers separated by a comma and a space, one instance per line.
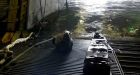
[97, 35]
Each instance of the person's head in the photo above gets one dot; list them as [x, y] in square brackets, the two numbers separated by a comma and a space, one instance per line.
[96, 33]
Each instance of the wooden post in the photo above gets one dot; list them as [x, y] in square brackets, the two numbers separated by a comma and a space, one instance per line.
[12, 15]
[23, 14]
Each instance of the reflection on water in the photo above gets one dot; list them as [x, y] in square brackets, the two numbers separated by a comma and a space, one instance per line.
[110, 12]
[91, 6]
[100, 6]
[94, 6]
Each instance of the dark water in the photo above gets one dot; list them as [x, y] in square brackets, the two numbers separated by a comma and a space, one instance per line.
[44, 60]
[129, 56]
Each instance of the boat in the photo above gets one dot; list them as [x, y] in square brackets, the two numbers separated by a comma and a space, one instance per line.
[97, 57]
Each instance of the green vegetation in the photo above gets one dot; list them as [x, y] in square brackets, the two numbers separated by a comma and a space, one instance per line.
[65, 20]
[79, 28]
[126, 24]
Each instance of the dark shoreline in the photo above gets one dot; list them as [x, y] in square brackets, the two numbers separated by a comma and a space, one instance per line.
[123, 39]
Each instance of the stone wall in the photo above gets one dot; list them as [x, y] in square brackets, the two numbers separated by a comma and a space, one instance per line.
[41, 8]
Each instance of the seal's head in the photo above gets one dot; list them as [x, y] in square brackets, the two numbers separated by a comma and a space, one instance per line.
[66, 34]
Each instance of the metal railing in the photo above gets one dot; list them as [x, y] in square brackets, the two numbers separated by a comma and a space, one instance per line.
[118, 64]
